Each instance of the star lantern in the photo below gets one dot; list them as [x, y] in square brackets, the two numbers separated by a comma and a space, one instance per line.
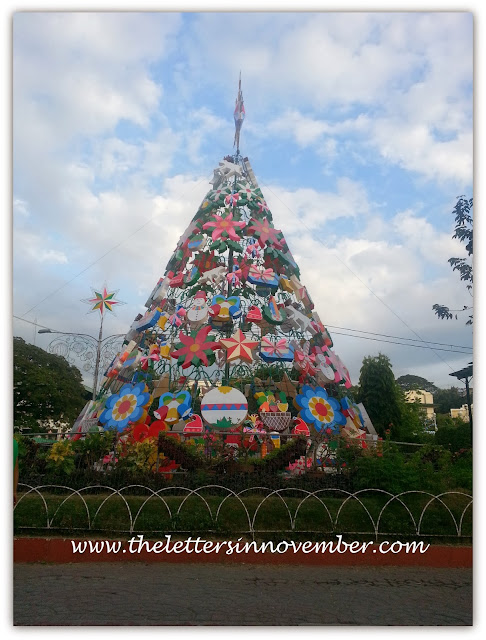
[195, 349]
[102, 301]
[239, 347]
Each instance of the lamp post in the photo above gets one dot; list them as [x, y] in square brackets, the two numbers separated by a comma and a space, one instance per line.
[466, 374]
[87, 348]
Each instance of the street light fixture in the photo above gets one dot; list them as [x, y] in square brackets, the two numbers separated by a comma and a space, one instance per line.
[466, 374]
[85, 346]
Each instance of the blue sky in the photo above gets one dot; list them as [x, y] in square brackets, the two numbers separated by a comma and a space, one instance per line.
[359, 130]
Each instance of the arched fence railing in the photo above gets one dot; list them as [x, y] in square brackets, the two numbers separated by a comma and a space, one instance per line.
[254, 511]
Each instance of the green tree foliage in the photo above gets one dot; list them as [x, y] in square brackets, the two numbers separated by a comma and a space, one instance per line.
[447, 399]
[386, 403]
[464, 233]
[46, 387]
[409, 382]
[454, 436]
[380, 394]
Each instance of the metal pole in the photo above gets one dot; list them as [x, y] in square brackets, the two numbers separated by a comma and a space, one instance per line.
[468, 398]
[98, 354]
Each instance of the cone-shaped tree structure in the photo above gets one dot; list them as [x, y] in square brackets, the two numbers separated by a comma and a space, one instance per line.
[230, 330]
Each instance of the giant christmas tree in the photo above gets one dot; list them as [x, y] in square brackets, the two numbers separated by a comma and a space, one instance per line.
[230, 340]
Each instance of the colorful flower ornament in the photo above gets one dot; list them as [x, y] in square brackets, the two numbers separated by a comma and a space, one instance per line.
[195, 349]
[125, 406]
[265, 232]
[246, 193]
[224, 227]
[320, 410]
[341, 374]
[259, 206]
[218, 195]
[173, 407]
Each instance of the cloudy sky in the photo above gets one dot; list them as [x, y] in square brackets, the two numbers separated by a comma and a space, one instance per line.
[358, 128]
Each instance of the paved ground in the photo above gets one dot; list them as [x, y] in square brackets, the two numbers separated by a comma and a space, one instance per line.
[184, 594]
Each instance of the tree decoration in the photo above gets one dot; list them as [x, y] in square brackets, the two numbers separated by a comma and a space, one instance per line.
[273, 313]
[125, 406]
[198, 312]
[304, 361]
[224, 227]
[239, 347]
[195, 349]
[265, 232]
[174, 406]
[279, 351]
[325, 373]
[259, 276]
[225, 309]
[254, 314]
[195, 425]
[230, 306]
[319, 410]
[341, 374]
[269, 401]
[224, 406]
[352, 411]
[102, 301]
[288, 386]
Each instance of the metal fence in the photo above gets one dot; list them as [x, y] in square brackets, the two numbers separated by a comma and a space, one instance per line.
[291, 499]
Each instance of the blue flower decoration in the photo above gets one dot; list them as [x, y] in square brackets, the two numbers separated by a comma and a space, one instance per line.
[125, 406]
[320, 410]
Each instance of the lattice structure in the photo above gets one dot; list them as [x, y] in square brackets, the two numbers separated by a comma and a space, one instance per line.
[230, 330]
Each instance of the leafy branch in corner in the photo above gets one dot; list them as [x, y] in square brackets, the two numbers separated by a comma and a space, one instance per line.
[464, 233]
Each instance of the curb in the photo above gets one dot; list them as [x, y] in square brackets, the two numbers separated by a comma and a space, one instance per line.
[59, 550]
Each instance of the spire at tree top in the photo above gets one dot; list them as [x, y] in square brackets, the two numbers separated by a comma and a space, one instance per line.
[239, 116]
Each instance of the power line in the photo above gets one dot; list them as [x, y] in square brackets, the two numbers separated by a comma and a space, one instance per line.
[420, 346]
[107, 252]
[386, 335]
[363, 283]
[417, 346]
